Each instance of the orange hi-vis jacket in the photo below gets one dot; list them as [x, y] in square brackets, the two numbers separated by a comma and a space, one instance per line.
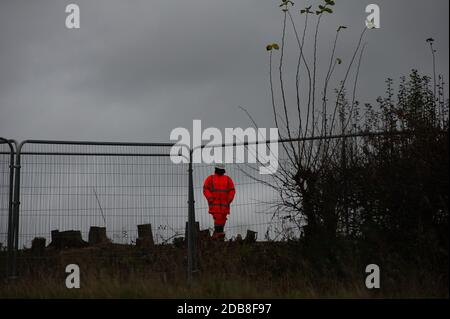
[219, 192]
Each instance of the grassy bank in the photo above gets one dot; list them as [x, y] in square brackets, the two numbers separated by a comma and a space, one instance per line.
[226, 270]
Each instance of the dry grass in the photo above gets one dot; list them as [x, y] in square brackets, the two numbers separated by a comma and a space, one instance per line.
[228, 270]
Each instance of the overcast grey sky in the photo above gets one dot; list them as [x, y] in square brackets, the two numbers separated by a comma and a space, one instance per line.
[137, 69]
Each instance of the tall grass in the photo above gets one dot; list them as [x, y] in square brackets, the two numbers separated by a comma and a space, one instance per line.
[227, 270]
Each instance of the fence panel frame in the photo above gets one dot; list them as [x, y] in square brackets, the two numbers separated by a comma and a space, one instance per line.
[10, 236]
[15, 204]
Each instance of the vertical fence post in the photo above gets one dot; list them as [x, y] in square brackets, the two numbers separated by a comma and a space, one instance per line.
[16, 204]
[10, 273]
[10, 236]
[191, 225]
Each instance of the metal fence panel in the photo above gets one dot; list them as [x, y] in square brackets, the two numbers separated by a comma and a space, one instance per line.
[114, 185]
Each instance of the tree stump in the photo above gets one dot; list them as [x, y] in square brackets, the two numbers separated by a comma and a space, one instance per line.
[38, 246]
[145, 236]
[67, 239]
[251, 236]
[97, 235]
[145, 242]
[145, 230]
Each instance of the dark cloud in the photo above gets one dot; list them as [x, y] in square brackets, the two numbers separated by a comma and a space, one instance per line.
[137, 69]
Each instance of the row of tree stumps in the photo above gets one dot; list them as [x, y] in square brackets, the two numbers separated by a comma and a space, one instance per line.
[97, 236]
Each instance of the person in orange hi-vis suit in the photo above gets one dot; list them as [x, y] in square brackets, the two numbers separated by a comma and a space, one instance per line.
[219, 192]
